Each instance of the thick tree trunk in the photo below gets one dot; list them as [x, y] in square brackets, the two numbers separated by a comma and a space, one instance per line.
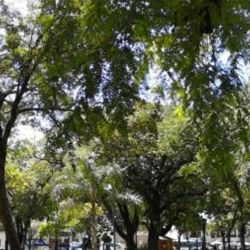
[129, 236]
[153, 240]
[131, 225]
[153, 233]
[242, 235]
[56, 243]
[130, 222]
[5, 213]
[130, 242]
[7, 221]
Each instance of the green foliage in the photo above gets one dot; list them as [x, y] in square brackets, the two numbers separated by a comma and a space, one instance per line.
[69, 215]
[81, 64]
[28, 184]
[157, 162]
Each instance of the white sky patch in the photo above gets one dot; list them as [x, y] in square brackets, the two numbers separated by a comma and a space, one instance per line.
[153, 76]
[224, 57]
[154, 79]
[19, 5]
[26, 132]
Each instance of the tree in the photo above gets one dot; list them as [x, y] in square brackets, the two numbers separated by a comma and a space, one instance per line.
[20, 93]
[158, 163]
[189, 219]
[29, 86]
[124, 208]
[82, 181]
[29, 189]
[230, 158]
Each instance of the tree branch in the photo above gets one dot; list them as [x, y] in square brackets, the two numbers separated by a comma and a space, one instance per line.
[44, 109]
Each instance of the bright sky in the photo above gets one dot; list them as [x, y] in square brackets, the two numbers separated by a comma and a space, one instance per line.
[25, 132]
[20, 5]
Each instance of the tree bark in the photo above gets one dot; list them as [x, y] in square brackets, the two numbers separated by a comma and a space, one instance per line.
[153, 233]
[22, 229]
[130, 242]
[204, 222]
[128, 236]
[94, 243]
[56, 243]
[229, 240]
[223, 239]
[6, 243]
[229, 231]
[5, 213]
[25, 232]
[29, 243]
[242, 235]
[152, 240]
[130, 223]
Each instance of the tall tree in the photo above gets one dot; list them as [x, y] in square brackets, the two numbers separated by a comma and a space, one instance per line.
[155, 162]
[123, 206]
[230, 152]
[83, 183]
[19, 59]
[32, 81]
[29, 189]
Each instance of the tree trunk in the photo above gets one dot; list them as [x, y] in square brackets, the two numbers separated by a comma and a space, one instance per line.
[94, 242]
[22, 229]
[153, 233]
[130, 221]
[129, 226]
[29, 244]
[187, 237]
[223, 239]
[204, 222]
[130, 242]
[5, 213]
[6, 243]
[30, 237]
[242, 235]
[83, 244]
[129, 235]
[229, 231]
[56, 243]
[25, 231]
[179, 241]
[229, 240]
